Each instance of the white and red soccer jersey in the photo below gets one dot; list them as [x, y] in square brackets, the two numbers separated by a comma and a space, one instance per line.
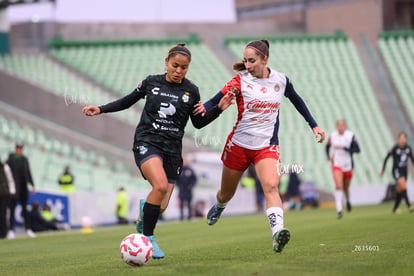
[258, 102]
[342, 145]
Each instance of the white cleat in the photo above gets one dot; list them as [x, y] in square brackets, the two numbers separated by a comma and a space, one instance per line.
[30, 233]
[11, 235]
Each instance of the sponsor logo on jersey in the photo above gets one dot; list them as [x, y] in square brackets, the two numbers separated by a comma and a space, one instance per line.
[277, 87]
[259, 106]
[142, 150]
[156, 126]
[186, 97]
[166, 109]
[155, 90]
[257, 120]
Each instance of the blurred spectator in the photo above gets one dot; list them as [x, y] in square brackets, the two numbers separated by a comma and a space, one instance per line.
[309, 194]
[185, 183]
[292, 193]
[66, 181]
[38, 222]
[19, 165]
[7, 191]
[122, 206]
[200, 209]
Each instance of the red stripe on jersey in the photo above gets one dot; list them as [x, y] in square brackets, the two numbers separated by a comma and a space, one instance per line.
[234, 85]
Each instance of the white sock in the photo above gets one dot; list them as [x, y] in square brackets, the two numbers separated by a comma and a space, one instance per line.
[338, 200]
[221, 204]
[275, 217]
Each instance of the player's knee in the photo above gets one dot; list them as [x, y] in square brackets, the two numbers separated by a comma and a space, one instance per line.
[270, 187]
[161, 189]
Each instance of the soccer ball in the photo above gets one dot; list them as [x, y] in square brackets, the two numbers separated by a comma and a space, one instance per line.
[136, 249]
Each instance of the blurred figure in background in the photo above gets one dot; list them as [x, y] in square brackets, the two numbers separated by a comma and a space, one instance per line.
[38, 222]
[66, 181]
[309, 194]
[185, 183]
[7, 191]
[293, 194]
[400, 154]
[344, 144]
[19, 165]
[122, 206]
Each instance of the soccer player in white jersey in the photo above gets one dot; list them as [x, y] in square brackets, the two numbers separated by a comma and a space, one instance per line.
[259, 91]
[344, 143]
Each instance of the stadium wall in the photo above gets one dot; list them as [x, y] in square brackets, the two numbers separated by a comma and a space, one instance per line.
[353, 17]
[65, 111]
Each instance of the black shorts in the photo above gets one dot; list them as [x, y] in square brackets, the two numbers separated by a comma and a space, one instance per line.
[172, 164]
[399, 172]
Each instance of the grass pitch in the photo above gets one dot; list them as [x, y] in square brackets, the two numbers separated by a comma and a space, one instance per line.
[368, 241]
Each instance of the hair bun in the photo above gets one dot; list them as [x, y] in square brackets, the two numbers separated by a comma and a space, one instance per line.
[181, 44]
[265, 41]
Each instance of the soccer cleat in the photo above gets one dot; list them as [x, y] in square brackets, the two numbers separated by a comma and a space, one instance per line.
[11, 235]
[30, 233]
[348, 206]
[280, 239]
[158, 253]
[214, 214]
[140, 220]
[411, 209]
[339, 216]
[397, 211]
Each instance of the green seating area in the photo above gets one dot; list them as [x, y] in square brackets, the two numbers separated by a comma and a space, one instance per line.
[48, 156]
[121, 66]
[57, 79]
[328, 74]
[397, 50]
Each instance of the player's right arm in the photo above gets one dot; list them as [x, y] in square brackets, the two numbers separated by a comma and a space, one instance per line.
[117, 105]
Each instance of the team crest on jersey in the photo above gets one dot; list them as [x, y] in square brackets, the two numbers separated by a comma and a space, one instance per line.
[235, 90]
[277, 87]
[186, 97]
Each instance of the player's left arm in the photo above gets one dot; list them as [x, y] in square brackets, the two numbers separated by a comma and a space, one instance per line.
[301, 107]
[354, 147]
[411, 156]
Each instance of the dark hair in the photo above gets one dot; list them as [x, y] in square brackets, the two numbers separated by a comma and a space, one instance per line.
[179, 49]
[261, 48]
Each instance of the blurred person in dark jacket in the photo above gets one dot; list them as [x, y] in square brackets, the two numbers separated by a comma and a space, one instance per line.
[19, 165]
[185, 183]
[38, 221]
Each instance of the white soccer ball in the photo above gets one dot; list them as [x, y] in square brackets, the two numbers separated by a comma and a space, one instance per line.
[136, 249]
